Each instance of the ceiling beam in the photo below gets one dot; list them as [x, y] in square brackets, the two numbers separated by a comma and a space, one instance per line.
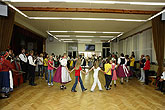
[89, 10]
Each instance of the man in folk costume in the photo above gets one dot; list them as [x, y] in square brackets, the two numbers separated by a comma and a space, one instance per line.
[62, 73]
[122, 70]
[23, 62]
[31, 68]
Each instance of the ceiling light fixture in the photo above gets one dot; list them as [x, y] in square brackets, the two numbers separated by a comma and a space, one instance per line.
[84, 39]
[85, 36]
[152, 17]
[116, 37]
[90, 1]
[93, 19]
[62, 35]
[100, 32]
[53, 36]
[66, 39]
[106, 36]
[20, 12]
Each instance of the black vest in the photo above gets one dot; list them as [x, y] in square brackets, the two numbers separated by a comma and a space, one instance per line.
[122, 61]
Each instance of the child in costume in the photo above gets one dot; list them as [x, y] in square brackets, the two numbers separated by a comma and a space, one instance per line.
[96, 69]
[122, 70]
[62, 73]
[113, 70]
[77, 69]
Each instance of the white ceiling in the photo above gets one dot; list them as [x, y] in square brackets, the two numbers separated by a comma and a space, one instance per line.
[89, 5]
[80, 25]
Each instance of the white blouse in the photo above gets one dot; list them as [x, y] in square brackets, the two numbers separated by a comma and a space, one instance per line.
[63, 62]
[119, 60]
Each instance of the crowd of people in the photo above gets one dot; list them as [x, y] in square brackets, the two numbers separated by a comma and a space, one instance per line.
[15, 70]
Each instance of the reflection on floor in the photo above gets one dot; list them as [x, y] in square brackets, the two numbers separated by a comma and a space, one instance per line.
[130, 96]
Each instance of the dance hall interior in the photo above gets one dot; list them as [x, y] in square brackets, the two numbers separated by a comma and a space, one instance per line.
[82, 54]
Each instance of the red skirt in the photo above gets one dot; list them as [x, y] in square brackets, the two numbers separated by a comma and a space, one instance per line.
[121, 73]
[57, 76]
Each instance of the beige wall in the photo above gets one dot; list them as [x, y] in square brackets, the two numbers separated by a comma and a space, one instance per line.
[58, 48]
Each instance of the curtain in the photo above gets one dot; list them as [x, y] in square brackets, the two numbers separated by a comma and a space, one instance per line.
[6, 29]
[158, 29]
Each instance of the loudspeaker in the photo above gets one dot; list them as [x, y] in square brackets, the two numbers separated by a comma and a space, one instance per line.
[163, 16]
[3, 10]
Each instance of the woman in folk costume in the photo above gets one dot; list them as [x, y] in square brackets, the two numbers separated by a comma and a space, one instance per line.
[122, 70]
[62, 73]
[5, 66]
[10, 58]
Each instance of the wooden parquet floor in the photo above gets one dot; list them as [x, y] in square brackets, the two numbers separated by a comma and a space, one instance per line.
[130, 96]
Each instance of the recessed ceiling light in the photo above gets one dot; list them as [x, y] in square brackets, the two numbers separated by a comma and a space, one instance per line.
[62, 35]
[85, 32]
[20, 12]
[66, 39]
[53, 36]
[152, 17]
[84, 39]
[85, 36]
[93, 19]
[106, 36]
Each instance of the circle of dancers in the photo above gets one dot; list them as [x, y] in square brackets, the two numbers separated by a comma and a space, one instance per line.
[15, 70]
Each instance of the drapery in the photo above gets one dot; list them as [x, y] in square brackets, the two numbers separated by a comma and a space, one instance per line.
[6, 29]
[158, 29]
